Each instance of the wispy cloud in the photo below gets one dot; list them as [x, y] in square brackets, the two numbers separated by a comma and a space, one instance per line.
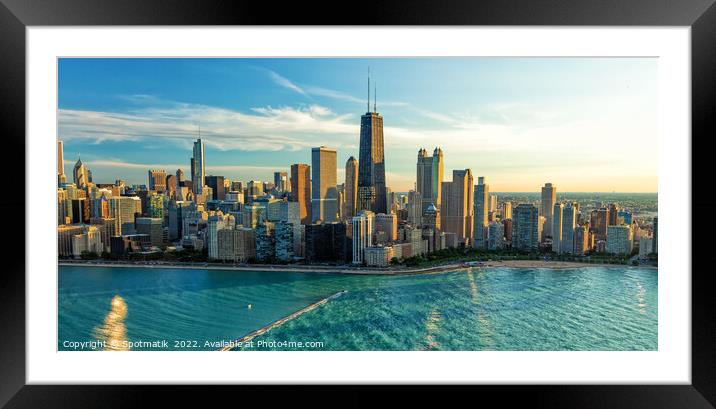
[278, 79]
[264, 128]
[311, 90]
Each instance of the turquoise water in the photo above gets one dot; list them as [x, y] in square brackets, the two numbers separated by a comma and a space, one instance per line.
[589, 308]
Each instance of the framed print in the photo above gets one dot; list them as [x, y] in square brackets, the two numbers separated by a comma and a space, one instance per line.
[472, 197]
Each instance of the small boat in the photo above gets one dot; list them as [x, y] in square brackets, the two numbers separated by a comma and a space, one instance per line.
[249, 306]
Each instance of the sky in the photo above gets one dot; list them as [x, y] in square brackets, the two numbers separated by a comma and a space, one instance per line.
[583, 124]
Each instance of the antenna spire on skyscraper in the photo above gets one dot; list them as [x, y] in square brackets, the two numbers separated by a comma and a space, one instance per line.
[375, 97]
[368, 105]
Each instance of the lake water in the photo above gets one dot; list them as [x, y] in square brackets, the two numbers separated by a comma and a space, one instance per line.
[590, 308]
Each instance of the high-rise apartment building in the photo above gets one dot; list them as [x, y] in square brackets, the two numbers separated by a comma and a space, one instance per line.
[326, 242]
[557, 218]
[507, 210]
[495, 236]
[619, 239]
[599, 222]
[456, 211]
[548, 199]
[492, 204]
[237, 244]
[613, 214]
[569, 222]
[362, 235]
[482, 198]
[581, 240]
[387, 224]
[525, 227]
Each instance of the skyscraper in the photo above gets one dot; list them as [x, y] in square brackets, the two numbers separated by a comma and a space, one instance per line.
[280, 181]
[525, 227]
[581, 240]
[60, 163]
[216, 183]
[507, 210]
[557, 215]
[430, 177]
[80, 174]
[415, 208]
[324, 193]
[493, 204]
[197, 167]
[362, 234]
[157, 180]
[613, 214]
[371, 162]
[569, 222]
[619, 239]
[496, 236]
[301, 190]
[482, 196]
[388, 224]
[546, 209]
[599, 222]
[457, 205]
[351, 188]
[171, 184]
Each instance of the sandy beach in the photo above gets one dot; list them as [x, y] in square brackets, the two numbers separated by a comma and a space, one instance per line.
[348, 269]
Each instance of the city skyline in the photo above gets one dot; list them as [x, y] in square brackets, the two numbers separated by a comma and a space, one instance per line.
[105, 126]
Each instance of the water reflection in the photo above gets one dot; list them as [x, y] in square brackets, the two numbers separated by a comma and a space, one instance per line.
[113, 331]
[641, 297]
[432, 326]
[485, 325]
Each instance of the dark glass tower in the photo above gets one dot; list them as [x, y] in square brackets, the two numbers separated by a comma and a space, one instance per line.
[371, 162]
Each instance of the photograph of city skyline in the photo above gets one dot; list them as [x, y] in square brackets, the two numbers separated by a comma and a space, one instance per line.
[366, 204]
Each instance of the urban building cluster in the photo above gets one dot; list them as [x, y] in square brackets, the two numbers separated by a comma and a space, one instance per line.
[305, 215]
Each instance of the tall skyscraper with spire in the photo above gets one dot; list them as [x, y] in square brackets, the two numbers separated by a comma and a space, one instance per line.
[197, 167]
[371, 161]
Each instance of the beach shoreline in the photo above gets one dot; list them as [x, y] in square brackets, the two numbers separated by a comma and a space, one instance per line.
[523, 264]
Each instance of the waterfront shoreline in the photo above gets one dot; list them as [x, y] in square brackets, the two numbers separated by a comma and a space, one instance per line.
[525, 264]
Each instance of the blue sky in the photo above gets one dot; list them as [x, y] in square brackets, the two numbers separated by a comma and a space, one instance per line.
[584, 124]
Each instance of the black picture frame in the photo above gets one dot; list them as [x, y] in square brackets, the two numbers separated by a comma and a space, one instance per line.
[15, 15]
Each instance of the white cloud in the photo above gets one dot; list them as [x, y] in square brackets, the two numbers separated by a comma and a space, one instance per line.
[285, 82]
